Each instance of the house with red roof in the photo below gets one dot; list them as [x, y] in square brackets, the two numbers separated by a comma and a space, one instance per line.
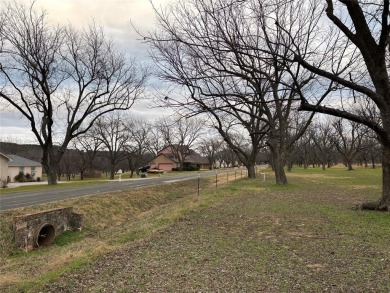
[167, 160]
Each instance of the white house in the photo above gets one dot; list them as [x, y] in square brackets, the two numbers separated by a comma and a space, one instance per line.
[18, 164]
[4, 166]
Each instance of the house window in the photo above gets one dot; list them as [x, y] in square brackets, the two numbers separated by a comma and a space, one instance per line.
[21, 169]
[32, 171]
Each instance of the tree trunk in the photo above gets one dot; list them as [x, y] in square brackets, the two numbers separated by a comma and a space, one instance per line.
[383, 204]
[251, 171]
[50, 166]
[280, 175]
[289, 166]
[51, 177]
[112, 171]
[82, 175]
[349, 165]
[323, 166]
[385, 199]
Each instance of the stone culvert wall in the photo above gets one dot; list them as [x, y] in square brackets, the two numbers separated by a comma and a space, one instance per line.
[39, 229]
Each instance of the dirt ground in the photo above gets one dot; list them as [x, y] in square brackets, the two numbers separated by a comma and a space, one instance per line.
[255, 238]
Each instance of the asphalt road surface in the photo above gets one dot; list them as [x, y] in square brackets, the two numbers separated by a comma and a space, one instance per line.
[29, 198]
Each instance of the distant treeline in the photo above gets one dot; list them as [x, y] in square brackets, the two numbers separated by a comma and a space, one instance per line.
[28, 151]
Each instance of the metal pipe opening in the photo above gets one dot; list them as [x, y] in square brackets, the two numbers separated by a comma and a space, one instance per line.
[46, 235]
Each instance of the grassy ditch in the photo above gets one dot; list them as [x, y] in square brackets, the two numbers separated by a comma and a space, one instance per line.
[248, 236]
[111, 221]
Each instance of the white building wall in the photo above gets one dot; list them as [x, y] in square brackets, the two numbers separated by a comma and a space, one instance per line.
[13, 171]
[3, 168]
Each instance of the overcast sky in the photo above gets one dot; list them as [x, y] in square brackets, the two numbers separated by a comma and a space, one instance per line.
[114, 16]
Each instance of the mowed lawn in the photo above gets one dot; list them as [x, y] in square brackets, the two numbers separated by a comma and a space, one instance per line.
[247, 236]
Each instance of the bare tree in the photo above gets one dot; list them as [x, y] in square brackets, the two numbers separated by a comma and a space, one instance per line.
[156, 139]
[324, 141]
[209, 146]
[68, 164]
[139, 142]
[113, 136]
[102, 163]
[371, 151]
[347, 43]
[61, 80]
[181, 135]
[227, 157]
[87, 146]
[348, 139]
[246, 142]
[214, 52]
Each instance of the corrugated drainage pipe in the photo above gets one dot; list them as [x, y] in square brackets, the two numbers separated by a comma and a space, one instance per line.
[46, 235]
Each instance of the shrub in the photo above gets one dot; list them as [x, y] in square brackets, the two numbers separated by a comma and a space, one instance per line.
[191, 168]
[20, 177]
[188, 168]
[4, 184]
[28, 177]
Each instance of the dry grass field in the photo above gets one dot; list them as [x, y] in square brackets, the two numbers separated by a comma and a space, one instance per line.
[247, 236]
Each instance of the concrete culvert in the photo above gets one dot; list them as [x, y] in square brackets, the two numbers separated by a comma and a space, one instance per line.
[46, 235]
[40, 228]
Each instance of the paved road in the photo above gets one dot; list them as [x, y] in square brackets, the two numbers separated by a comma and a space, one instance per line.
[24, 199]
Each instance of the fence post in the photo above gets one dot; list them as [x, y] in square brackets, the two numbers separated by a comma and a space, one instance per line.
[198, 183]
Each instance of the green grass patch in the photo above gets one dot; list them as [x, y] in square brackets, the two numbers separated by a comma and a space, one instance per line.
[49, 187]
[68, 237]
[247, 236]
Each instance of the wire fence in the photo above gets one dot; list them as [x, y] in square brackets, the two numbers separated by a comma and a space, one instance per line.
[223, 177]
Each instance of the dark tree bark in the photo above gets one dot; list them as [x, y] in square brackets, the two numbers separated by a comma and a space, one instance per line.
[279, 160]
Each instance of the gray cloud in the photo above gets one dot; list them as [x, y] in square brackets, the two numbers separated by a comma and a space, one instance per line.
[115, 17]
